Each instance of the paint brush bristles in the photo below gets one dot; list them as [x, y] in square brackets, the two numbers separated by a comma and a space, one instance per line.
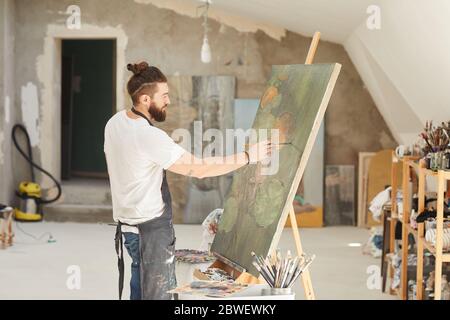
[281, 272]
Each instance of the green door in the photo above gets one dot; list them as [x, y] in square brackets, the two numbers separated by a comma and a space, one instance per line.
[87, 104]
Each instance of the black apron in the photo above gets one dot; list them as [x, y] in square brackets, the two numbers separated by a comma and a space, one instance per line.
[157, 249]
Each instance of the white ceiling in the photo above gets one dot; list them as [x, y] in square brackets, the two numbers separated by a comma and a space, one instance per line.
[335, 19]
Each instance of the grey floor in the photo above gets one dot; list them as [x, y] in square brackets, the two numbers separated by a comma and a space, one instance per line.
[37, 269]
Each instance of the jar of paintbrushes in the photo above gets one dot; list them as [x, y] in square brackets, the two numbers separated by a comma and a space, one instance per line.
[436, 139]
[281, 272]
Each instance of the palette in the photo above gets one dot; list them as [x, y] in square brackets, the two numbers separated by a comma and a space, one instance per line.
[193, 256]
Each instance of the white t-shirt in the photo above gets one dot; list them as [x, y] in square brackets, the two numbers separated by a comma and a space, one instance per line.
[136, 154]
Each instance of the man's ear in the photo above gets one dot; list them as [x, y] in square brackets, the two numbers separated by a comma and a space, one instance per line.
[144, 99]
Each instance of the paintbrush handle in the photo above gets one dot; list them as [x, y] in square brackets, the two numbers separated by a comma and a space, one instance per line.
[301, 270]
[262, 273]
[264, 268]
[288, 271]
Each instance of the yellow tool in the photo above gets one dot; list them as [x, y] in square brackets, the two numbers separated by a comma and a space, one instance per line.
[30, 208]
[29, 193]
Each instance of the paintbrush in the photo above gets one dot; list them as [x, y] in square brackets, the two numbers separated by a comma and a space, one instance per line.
[269, 270]
[280, 267]
[284, 265]
[289, 262]
[297, 271]
[273, 265]
[263, 273]
[292, 270]
[263, 267]
[268, 265]
[286, 272]
[278, 255]
[275, 268]
[272, 143]
[306, 265]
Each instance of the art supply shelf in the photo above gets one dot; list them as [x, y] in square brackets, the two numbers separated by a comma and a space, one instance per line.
[442, 177]
[440, 257]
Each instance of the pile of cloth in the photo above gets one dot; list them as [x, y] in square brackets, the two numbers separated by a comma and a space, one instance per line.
[374, 245]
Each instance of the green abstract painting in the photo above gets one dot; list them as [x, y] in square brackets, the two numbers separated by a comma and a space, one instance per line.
[257, 205]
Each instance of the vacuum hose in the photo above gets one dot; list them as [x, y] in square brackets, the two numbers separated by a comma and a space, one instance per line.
[29, 158]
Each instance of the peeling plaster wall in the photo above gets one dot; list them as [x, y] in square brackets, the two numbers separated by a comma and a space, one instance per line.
[242, 24]
[30, 111]
[172, 42]
[7, 99]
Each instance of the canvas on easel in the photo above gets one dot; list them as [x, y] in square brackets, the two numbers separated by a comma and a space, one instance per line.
[257, 205]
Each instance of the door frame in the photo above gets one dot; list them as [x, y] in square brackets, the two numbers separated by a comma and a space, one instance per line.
[89, 174]
[49, 66]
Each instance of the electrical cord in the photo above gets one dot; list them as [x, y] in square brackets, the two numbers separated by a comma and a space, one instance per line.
[29, 158]
[50, 236]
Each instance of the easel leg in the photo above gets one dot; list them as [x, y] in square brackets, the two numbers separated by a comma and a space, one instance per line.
[306, 277]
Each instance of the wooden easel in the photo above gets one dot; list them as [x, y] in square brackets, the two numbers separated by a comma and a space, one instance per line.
[245, 277]
[305, 276]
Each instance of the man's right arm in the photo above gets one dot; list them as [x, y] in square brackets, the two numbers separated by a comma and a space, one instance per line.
[192, 166]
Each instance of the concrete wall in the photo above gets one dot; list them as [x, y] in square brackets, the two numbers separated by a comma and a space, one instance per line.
[7, 97]
[172, 42]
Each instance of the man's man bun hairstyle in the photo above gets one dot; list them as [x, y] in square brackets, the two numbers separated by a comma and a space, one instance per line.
[143, 80]
[137, 68]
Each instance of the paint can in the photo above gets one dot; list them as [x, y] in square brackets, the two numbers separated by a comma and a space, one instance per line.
[280, 291]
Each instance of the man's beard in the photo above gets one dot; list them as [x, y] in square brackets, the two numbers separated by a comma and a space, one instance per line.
[157, 113]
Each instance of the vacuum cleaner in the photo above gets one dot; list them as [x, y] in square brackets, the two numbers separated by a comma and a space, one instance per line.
[29, 192]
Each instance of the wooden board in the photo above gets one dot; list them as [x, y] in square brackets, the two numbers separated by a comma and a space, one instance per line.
[209, 99]
[364, 159]
[257, 205]
[379, 177]
[339, 195]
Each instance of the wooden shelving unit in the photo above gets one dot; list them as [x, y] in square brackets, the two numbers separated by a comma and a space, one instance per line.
[440, 257]
[442, 179]
[408, 162]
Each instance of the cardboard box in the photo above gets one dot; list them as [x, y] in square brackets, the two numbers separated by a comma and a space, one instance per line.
[312, 219]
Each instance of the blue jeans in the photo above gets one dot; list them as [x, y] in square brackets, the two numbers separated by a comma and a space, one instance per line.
[132, 245]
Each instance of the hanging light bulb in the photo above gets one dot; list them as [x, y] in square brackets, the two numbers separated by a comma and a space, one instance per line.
[205, 53]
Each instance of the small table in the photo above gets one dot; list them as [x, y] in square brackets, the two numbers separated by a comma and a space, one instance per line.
[253, 292]
[6, 233]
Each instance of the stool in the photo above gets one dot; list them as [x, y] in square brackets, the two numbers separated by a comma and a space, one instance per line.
[6, 233]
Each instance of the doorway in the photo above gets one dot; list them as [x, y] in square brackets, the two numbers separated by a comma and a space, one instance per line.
[87, 101]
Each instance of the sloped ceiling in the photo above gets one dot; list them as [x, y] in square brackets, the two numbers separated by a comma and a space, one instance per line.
[409, 59]
[335, 19]
[405, 64]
